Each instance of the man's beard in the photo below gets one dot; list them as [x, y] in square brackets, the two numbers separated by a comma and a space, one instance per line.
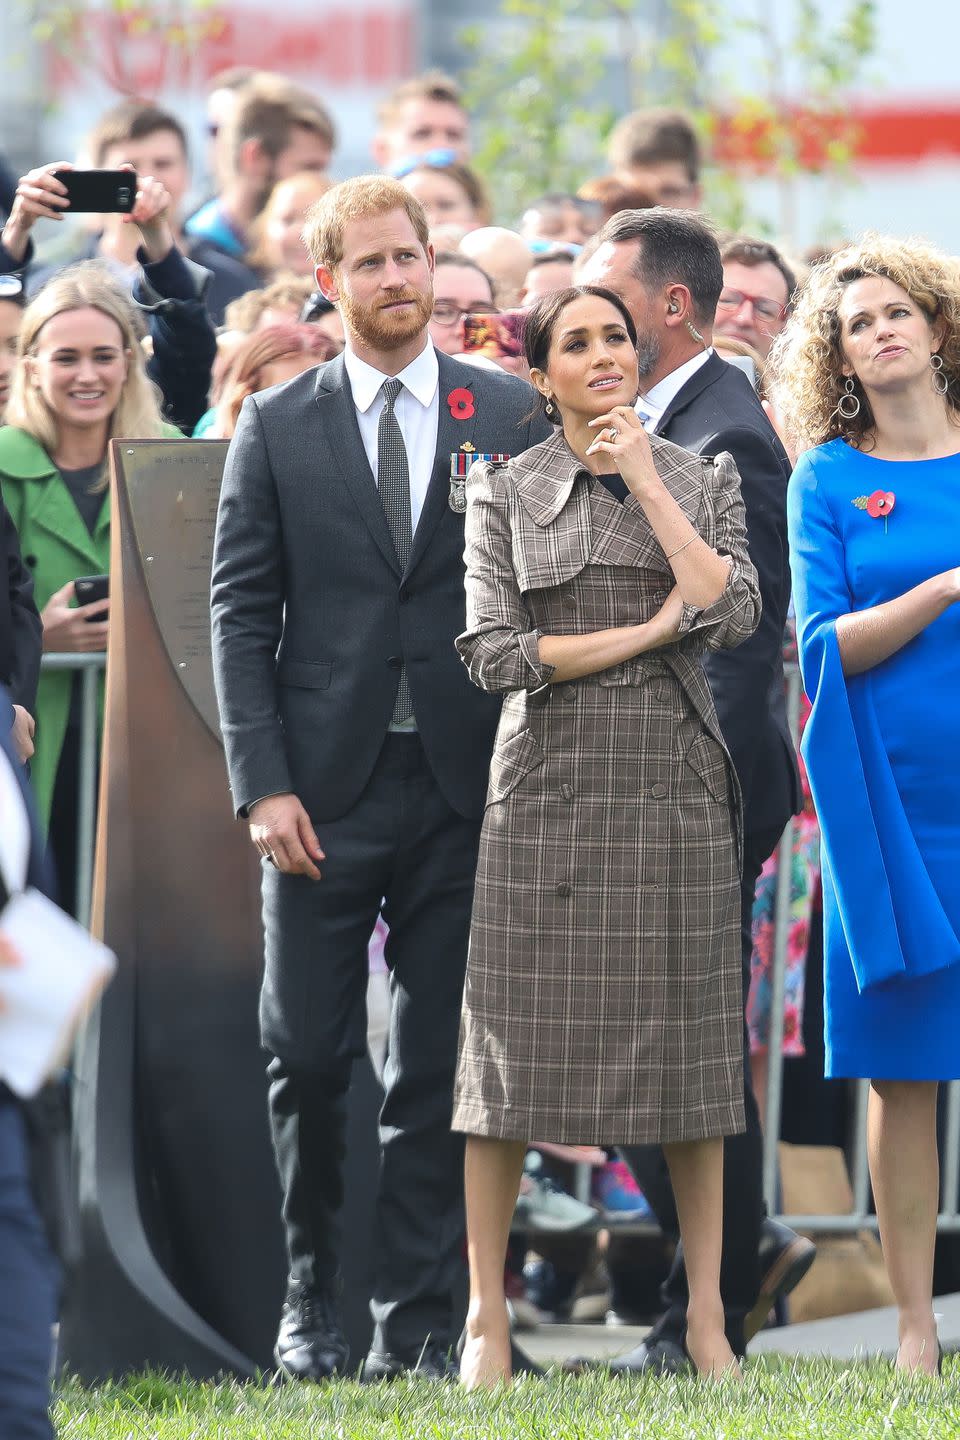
[384, 329]
[648, 354]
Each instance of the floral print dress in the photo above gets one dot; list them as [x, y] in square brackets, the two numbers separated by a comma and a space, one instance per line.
[804, 891]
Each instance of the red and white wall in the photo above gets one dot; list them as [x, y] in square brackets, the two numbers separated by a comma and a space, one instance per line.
[905, 177]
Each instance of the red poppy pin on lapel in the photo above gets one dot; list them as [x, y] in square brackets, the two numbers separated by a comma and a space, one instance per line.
[461, 403]
[878, 505]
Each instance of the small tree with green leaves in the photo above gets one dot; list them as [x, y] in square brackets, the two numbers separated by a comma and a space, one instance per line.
[536, 88]
[546, 79]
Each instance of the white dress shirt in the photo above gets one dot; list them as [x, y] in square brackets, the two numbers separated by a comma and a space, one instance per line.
[417, 410]
[655, 401]
[14, 830]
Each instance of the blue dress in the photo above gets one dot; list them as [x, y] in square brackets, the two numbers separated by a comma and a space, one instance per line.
[883, 757]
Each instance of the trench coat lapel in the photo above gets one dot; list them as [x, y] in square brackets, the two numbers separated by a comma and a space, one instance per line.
[554, 492]
[340, 448]
[622, 533]
[582, 523]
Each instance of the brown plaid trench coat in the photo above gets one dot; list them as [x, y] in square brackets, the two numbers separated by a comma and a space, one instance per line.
[603, 995]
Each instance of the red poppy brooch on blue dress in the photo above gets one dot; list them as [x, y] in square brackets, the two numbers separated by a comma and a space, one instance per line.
[878, 505]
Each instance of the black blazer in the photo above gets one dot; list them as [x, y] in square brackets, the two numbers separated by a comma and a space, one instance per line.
[21, 633]
[39, 873]
[311, 614]
[717, 409]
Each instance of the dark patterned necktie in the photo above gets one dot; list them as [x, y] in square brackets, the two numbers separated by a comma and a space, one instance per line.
[393, 478]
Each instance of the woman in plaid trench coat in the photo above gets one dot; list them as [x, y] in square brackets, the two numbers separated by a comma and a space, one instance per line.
[603, 993]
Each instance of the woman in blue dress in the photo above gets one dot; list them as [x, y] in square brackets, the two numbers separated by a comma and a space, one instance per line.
[869, 384]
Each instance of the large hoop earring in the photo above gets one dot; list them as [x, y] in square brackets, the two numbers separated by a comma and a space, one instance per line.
[941, 381]
[848, 406]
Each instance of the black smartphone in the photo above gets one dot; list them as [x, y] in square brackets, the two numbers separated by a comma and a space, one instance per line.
[99, 192]
[90, 588]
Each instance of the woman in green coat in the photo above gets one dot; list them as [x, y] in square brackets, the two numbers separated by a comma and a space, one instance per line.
[81, 381]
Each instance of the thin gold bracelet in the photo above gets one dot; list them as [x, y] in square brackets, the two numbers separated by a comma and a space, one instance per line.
[683, 546]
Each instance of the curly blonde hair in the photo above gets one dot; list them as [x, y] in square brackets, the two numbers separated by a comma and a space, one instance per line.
[806, 359]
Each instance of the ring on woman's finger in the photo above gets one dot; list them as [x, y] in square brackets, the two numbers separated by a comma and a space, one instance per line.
[613, 432]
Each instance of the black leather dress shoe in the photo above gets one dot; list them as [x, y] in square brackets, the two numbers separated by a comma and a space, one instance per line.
[310, 1344]
[431, 1362]
[785, 1257]
[654, 1356]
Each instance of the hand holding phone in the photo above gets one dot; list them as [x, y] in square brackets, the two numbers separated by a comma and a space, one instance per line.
[39, 196]
[67, 627]
[150, 215]
[46, 192]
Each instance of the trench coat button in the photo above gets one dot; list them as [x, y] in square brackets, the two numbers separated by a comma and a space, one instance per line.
[659, 790]
[568, 694]
[395, 662]
[566, 792]
[564, 888]
[570, 601]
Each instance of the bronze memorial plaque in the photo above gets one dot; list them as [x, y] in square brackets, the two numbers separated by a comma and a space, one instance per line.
[174, 487]
[183, 1264]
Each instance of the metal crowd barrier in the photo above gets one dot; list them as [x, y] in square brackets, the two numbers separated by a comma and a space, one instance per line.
[860, 1218]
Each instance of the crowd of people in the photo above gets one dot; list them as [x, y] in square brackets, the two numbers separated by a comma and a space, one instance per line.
[501, 601]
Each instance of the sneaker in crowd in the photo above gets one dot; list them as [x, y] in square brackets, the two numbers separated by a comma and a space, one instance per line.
[618, 1196]
[544, 1205]
[550, 1291]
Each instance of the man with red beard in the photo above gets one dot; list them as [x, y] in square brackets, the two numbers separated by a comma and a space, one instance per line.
[358, 753]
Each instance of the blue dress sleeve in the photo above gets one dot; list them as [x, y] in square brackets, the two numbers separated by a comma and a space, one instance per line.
[891, 929]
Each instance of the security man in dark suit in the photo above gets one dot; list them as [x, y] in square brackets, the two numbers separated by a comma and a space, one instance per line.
[666, 265]
[358, 751]
[29, 1273]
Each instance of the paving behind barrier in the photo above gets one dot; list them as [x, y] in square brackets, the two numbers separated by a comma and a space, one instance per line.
[848, 1337]
[844, 1337]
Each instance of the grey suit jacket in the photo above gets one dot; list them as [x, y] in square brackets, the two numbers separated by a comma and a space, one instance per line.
[311, 614]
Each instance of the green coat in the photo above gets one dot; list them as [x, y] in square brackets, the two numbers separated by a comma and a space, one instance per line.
[57, 546]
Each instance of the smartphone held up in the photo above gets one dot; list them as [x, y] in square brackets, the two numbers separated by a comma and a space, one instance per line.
[497, 336]
[99, 192]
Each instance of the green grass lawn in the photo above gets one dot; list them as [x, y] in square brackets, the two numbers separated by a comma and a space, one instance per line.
[806, 1400]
